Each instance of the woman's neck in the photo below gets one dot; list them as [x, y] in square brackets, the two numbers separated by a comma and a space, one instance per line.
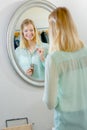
[32, 46]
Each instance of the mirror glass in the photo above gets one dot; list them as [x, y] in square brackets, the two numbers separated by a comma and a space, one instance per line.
[23, 58]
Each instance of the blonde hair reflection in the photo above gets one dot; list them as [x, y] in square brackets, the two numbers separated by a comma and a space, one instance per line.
[23, 42]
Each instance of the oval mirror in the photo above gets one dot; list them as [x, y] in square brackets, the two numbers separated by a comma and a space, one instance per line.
[37, 11]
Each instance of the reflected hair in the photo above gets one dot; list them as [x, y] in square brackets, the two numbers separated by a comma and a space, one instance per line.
[23, 42]
[63, 34]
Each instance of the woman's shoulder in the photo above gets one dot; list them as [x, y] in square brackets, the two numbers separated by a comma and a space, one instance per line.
[20, 50]
[55, 56]
[61, 56]
[44, 45]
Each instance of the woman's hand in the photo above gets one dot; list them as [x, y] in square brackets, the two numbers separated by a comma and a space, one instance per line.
[40, 51]
[29, 72]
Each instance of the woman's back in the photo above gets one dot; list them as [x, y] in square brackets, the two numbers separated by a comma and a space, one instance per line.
[71, 89]
[66, 72]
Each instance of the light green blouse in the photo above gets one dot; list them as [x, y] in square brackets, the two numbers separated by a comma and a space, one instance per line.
[66, 89]
[25, 59]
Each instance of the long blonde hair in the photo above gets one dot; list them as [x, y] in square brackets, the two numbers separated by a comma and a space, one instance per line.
[62, 31]
[23, 42]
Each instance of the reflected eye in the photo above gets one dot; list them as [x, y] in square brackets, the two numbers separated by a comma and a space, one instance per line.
[26, 30]
[31, 30]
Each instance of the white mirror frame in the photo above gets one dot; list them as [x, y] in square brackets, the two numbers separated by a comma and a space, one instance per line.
[10, 35]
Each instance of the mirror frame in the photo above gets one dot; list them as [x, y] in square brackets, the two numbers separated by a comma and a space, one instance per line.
[10, 35]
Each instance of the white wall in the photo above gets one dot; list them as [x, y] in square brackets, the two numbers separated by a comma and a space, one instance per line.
[17, 98]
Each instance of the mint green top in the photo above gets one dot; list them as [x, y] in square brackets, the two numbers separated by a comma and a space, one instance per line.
[25, 59]
[66, 89]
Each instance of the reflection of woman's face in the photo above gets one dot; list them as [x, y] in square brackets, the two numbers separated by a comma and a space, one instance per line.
[28, 32]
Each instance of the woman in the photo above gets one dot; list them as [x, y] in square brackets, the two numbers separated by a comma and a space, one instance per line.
[31, 53]
[66, 73]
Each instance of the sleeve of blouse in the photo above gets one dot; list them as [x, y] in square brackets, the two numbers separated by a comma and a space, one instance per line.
[51, 83]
